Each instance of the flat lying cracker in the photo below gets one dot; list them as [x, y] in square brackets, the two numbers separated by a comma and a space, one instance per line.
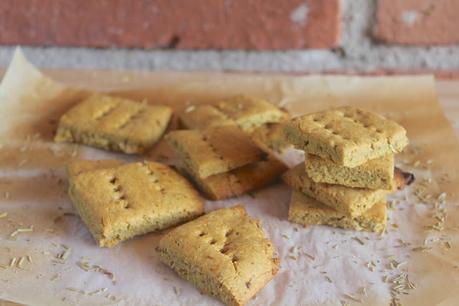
[214, 150]
[375, 174]
[224, 254]
[77, 167]
[350, 201]
[346, 135]
[306, 211]
[241, 180]
[243, 111]
[117, 203]
[114, 124]
[203, 116]
[270, 137]
[250, 112]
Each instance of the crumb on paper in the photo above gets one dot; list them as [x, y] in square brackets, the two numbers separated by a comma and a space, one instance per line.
[21, 230]
[358, 240]
[190, 108]
[352, 298]
[309, 256]
[422, 248]
[84, 265]
[97, 292]
[371, 266]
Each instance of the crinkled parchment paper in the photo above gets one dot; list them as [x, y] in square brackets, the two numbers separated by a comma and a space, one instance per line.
[319, 265]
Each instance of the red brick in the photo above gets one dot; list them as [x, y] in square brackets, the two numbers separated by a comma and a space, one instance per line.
[417, 22]
[184, 24]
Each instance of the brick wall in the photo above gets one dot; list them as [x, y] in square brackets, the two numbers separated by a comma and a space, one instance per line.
[182, 24]
[325, 28]
[417, 22]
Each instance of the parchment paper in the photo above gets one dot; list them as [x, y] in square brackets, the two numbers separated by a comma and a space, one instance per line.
[319, 265]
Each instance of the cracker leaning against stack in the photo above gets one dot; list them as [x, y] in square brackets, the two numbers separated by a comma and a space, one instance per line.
[349, 168]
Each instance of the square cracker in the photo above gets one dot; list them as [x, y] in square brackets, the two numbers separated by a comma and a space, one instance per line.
[346, 135]
[244, 111]
[351, 202]
[306, 211]
[376, 173]
[117, 203]
[224, 253]
[214, 150]
[114, 124]
[239, 181]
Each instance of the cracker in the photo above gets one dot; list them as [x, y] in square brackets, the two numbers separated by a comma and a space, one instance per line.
[121, 202]
[376, 173]
[224, 253]
[77, 167]
[214, 150]
[349, 201]
[244, 111]
[203, 116]
[270, 137]
[114, 124]
[346, 135]
[250, 112]
[307, 211]
[241, 180]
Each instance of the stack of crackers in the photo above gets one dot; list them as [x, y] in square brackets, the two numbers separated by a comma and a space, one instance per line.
[225, 146]
[223, 161]
[348, 169]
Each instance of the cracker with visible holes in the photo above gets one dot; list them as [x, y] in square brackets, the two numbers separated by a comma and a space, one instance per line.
[77, 167]
[244, 111]
[239, 181]
[376, 173]
[307, 211]
[224, 253]
[214, 150]
[349, 201]
[346, 135]
[118, 203]
[114, 124]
